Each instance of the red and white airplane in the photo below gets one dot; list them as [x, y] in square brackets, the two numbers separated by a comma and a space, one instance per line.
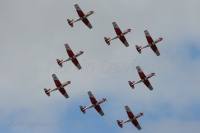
[94, 104]
[72, 57]
[131, 118]
[144, 79]
[59, 87]
[82, 17]
[120, 35]
[151, 43]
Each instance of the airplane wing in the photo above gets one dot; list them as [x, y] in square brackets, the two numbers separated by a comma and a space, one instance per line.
[140, 72]
[98, 108]
[58, 84]
[56, 80]
[62, 90]
[76, 63]
[92, 98]
[148, 37]
[87, 23]
[147, 83]
[136, 124]
[155, 50]
[123, 40]
[69, 51]
[79, 11]
[117, 29]
[129, 112]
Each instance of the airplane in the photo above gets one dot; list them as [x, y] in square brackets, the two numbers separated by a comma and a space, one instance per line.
[120, 35]
[82, 17]
[131, 118]
[144, 79]
[94, 104]
[151, 43]
[59, 87]
[72, 57]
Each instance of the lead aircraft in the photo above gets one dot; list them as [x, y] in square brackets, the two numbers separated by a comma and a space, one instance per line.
[120, 35]
[59, 87]
[94, 104]
[151, 43]
[144, 79]
[72, 57]
[131, 118]
[82, 17]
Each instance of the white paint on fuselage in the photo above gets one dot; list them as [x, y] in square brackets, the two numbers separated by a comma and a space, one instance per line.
[81, 18]
[118, 36]
[93, 105]
[150, 44]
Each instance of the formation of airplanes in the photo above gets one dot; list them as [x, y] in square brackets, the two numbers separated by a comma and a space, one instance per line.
[73, 57]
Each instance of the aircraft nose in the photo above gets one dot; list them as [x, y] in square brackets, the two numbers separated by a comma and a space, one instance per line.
[129, 29]
[161, 38]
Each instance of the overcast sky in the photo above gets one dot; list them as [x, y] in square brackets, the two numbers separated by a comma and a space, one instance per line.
[32, 37]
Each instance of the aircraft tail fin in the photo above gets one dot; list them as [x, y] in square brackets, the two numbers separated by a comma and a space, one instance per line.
[119, 123]
[131, 84]
[107, 40]
[138, 48]
[59, 62]
[70, 22]
[82, 109]
[47, 91]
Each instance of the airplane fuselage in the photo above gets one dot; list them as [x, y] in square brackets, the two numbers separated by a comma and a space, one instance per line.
[71, 58]
[85, 16]
[122, 34]
[153, 43]
[146, 78]
[93, 105]
[62, 86]
[131, 119]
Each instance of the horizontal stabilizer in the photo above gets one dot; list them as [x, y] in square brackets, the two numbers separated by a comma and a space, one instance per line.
[107, 40]
[131, 84]
[119, 123]
[47, 91]
[138, 48]
[70, 22]
[59, 62]
[82, 109]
